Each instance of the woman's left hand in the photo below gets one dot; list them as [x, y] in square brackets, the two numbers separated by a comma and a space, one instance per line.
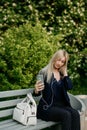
[64, 71]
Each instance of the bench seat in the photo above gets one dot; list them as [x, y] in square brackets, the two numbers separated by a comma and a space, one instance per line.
[13, 125]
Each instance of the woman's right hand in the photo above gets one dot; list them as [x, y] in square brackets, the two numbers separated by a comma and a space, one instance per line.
[39, 86]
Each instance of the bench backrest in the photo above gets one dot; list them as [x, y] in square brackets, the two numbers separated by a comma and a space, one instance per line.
[9, 99]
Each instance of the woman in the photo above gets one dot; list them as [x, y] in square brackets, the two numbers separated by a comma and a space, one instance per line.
[55, 104]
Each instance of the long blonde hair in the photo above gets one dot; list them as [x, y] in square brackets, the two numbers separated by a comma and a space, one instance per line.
[48, 70]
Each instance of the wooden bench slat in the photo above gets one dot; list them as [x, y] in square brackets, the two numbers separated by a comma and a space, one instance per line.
[8, 112]
[17, 126]
[10, 93]
[10, 103]
[38, 127]
[9, 124]
[5, 121]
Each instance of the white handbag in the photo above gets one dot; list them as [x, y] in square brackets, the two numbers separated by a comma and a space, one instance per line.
[25, 111]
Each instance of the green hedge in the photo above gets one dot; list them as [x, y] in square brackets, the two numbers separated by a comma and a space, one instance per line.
[23, 52]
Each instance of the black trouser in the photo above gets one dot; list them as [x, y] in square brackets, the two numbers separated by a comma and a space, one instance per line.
[69, 117]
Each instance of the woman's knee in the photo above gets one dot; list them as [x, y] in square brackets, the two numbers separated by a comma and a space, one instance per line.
[76, 115]
[67, 116]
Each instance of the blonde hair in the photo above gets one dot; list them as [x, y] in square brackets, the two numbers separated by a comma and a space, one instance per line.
[48, 70]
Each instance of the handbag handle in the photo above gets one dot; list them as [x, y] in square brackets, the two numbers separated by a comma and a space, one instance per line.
[29, 99]
[29, 95]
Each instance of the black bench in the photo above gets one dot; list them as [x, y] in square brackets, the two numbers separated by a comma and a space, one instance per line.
[9, 99]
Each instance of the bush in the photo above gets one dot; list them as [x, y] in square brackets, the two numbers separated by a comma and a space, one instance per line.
[24, 51]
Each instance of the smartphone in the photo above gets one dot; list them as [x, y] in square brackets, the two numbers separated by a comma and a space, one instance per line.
[40, 78]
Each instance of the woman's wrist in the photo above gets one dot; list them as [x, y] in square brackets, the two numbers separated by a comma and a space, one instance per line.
[36, 92]
[65, 74]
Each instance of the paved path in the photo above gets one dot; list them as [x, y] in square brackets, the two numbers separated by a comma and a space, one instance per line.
[85, 123]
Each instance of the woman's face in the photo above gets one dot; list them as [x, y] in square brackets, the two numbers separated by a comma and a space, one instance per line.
[58, 63]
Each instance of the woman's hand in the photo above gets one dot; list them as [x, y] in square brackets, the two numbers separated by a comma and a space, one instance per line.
[39, 86]
[63, 71]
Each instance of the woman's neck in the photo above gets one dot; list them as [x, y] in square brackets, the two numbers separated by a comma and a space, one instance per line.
[56, 74]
